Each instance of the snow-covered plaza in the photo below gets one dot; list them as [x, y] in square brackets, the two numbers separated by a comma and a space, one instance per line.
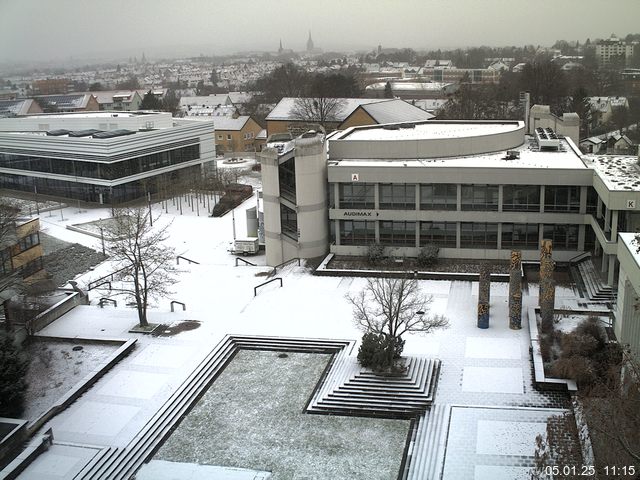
[486, 413]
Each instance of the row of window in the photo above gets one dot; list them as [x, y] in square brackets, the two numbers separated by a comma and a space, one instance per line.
[25, 243]
[442, 196]
[105, 171]
[444, 234]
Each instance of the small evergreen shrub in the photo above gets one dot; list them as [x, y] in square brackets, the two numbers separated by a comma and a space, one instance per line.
[375, 253]
[427, 256]
[13, 371]
[379, 352]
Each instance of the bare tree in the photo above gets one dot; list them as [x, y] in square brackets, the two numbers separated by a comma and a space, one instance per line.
[393, 307]
[148, 269]
[319, 109]
[10, 280]
[612, 411]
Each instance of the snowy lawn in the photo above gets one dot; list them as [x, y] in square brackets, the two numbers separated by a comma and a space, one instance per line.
[252, 417]
[55, 368]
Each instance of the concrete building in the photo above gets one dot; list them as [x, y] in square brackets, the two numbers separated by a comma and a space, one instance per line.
[102, 157]
[608, 51]
[412, 90]
[627, 313]
[476, 189]
[294, 196]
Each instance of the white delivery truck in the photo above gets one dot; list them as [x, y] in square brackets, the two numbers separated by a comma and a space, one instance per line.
[245, 246]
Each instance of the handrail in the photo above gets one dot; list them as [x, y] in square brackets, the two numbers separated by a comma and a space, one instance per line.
[580, 256]
[173, 302]
[104, 300]
[255, 289]
[275, 269]
[91, 285]
[185, 258]
[245, 261]
[106, 282]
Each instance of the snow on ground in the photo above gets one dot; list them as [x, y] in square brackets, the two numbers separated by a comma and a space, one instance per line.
[252, 417]
[480, 367]
[55, 368]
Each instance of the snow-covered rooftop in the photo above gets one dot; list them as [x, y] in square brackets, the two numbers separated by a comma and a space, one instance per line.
[285, 108]
[530, 157]
[429, 131]
[618, 172]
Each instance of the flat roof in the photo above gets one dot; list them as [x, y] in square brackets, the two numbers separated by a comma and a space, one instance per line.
[429, 130]
[103, 114]
[530, 157]
[618, 172]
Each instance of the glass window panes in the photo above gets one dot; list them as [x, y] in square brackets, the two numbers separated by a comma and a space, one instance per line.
[520, 235]
[289, 222]
[562, 199]
[438, 196]
[521, 198]
[357, 195]
[478, 235]
[357, 232]
[398, 233]
[563, 236]
[442, 234]
[397, 196]
[480, 197]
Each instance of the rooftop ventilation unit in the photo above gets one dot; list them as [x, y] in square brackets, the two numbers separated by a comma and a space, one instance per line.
[84, 133]
[58, 132]
[547, 139]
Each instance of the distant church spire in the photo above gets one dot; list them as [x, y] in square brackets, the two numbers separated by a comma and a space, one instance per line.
[280, 48]
[309, 43]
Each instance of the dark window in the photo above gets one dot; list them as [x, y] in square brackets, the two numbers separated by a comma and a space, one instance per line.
[5, 261]
[592, 201]
[520, 235]
[562, 199]
[25, 243]
[478, 235]
[287, 177]
[564, 237]
[521, 198]
[398, 233]
[397, 196]
[438, 196]
[357, 195]
[480, 197]
[357, 232]
[289, 222]
[442, 234]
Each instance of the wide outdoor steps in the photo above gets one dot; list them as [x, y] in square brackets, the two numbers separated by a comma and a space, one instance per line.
[351, 390]
[122, 463]
[591, 280]
[426, 452]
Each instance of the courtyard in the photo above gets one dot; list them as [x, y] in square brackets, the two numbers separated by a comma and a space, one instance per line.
[485, 383]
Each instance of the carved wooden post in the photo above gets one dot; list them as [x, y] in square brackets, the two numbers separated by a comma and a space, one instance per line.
[515, 290]
[547, 287]
[484, 288]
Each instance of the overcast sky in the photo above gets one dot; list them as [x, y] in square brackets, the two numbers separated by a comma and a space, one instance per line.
[59, 29]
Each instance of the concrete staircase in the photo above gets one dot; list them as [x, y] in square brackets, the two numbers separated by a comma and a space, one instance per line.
[425, 460]
[351, 390]
[121, 463]
[590, 282]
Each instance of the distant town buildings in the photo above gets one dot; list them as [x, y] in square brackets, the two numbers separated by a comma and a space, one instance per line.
[614, 50]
